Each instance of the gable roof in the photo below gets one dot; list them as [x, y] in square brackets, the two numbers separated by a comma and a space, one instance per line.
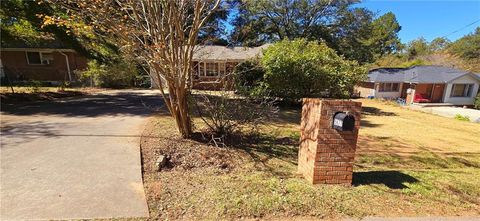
[416, 74]
[214, 52]
[477, 76]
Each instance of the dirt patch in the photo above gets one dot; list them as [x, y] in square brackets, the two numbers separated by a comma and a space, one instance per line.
[160, 138]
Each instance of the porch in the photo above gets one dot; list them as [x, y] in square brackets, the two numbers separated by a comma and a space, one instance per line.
[434, 104]
[425, 94]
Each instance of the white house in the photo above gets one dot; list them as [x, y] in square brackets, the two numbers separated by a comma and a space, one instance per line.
[422, 84]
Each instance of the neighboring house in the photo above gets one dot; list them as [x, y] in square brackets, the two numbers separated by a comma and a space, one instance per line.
[422, 84]
[51, 64]
[214, 64]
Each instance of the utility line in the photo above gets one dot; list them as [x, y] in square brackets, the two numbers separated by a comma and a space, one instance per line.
[461, 28]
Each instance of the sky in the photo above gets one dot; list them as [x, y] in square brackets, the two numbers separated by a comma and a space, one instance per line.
[430, 18]
[427, 18]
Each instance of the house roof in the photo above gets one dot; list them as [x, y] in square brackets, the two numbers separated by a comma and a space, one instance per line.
[213, 52]
[43, 40]
[386, 75]
[416, 74]
[477, 76]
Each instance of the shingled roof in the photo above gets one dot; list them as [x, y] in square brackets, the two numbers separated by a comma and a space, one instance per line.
[416, 74]
[214, 52]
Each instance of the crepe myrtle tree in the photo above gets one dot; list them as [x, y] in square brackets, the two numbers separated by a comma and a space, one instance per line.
[161, 33]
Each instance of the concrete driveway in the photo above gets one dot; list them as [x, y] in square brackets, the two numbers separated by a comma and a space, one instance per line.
[74, 158]
[447, 111]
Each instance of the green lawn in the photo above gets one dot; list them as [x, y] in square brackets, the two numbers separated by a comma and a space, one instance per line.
[408, 164]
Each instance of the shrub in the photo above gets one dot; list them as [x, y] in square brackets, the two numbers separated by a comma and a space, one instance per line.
[248, 76]
[299, 68]
[225, 113]
[34, 86]
[461, 117]
[63, 86]
[477, 101]
[116, 75]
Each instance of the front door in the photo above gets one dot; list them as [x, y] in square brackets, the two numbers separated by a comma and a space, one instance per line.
[437, 93]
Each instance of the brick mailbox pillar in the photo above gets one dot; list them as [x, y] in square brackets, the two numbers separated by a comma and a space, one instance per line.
[326, 154]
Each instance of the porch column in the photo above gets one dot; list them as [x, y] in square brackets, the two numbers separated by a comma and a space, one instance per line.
[431, 94]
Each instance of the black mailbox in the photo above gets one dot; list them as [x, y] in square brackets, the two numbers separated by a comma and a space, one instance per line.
[343, 121]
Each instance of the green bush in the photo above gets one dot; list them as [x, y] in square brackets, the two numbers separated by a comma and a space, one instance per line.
[461, 117]
[300, 68]
[117, 75]
[477, 101]
[34, 86]
[248, 76]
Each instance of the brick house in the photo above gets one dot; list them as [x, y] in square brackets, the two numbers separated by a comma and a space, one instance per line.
[49, 64]
[214, 64]
[422, 84]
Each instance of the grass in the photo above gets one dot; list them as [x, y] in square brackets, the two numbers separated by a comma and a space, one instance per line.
[461, 117]
[34, 93]
[30, 89]
[408, 163]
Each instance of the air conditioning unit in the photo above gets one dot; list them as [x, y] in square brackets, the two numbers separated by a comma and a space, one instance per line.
[47, 58]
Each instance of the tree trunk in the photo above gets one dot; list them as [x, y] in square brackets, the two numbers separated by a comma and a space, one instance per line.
[177, 103]
[184, 121]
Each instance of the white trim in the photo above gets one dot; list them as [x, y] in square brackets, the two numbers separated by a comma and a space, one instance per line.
[68, 65]
[471, 74]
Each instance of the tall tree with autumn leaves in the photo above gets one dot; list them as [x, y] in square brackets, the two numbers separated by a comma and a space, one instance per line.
[162, 34]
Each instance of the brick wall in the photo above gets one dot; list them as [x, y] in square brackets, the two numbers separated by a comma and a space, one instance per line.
[17, 67]
[327, 155]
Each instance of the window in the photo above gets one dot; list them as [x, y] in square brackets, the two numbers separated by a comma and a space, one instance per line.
[34, 58]
[395, 87]
[211, 69]
[221, 69]
[201, 69]
[47, 58]
[461, 90]
[39, 58]
[388, 87]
